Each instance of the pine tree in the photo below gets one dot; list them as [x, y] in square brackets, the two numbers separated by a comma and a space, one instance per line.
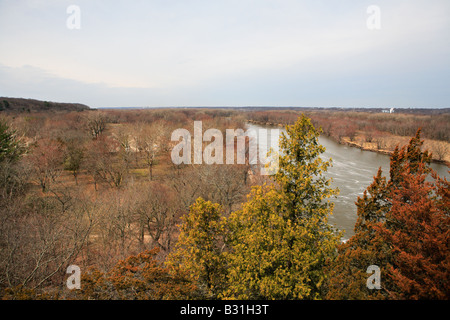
[396, 222]
[301, 172]
[411, 156]
[10, 147]
[417, 229]
[200, 247]
[281, 238]
[347, 274]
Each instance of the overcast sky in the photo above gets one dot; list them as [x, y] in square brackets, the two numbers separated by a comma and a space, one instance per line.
[227, 53]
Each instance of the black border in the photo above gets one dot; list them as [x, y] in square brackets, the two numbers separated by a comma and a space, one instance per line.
[171, 309]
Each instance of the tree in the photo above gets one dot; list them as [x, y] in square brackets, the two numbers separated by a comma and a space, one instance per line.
[10, 146]
[151, 142]
[264, 258]
[347, 272]
[156, 212]
[46, 159]
[73, 159]
[6, 104]
[441, 149]
[13, 173]
[417, 231]
[381, 139]
[124, 143]
[281, 238]
[181, 182]
[403, 228]
[96, 123]
[200, 247]
[103, 163]
[301, 173]
[39, 241]
[225, 185]
[140, 277]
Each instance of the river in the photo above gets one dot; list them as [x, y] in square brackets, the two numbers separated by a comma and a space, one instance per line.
[352, 171]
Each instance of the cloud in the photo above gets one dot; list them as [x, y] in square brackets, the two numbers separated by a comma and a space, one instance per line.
[227, 52]
[33, 82]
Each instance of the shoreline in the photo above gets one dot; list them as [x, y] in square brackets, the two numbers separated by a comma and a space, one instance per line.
[348, 143]
[382, 151]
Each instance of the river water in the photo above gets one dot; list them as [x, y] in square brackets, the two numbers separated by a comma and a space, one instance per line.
[352, 171]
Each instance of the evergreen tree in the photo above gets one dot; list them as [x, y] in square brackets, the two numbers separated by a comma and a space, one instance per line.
[347, 274]
[281, 238]
[411, 156]
[417, 229]
[12, 182]
[200, 247]
[396, 222]
[10, 147]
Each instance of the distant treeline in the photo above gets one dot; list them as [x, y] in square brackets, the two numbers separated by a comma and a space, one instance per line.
[347, 123]
[32, 105]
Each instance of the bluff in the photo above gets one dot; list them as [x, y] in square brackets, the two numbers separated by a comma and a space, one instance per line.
[32, 105]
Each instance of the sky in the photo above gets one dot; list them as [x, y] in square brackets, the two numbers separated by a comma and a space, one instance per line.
[160, 53]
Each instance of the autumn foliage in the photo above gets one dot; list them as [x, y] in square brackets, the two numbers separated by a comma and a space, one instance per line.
[139, 277]
[276, 246]
[200, 248]
[99, 190]
[402, 227]
[417, 231]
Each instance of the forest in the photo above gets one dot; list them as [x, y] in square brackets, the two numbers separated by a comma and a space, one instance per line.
[373, 130]
[97, 189]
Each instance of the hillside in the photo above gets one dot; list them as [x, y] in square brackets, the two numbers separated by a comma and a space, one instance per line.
[32, 105]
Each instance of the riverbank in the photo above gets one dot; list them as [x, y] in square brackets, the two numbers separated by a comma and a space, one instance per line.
[383, 143]
[394, 141]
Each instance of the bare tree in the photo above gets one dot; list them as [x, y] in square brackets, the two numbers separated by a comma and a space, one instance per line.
[157, 214]
[440, 149]
[187, 184]
[152, 141]
[73, 159]
[46, 161]
[96, 123]
[224, 184]
[381, 140]
[369, 136]
[39, 241]
[104, 164]
[123, 136]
